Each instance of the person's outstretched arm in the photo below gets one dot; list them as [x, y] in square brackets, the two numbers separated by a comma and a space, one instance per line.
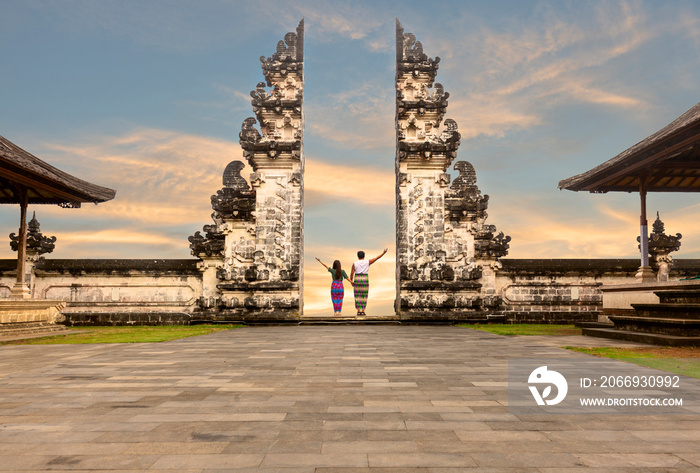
[375, 259]
[324, 264]
[352, 274]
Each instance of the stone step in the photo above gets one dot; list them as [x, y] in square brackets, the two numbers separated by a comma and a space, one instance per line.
[642, 337]
[349, 320]
[13, 325]
[617, 319]
[679, 296]
[216, 322]
[594, 325]
[683, 311]
[17, 331]
[660, 325]
[145, 317]
[464, 318]
[30, 326]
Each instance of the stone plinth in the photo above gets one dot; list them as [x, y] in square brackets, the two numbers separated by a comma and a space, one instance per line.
[674, 320]
[16, 311]
[619, 299]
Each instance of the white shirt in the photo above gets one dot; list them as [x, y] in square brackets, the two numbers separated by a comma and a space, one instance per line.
[362, 266]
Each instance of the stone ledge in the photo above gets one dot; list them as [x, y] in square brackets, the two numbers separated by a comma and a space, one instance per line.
[257, 286]
[74, 319]
[447, 286]
[548, 267]
[642, 337]
[651, 286]
[107, 266]
[30, 310]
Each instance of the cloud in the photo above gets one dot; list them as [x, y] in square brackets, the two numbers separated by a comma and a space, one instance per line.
[188, 27]
[234, 95]
[361, 117]
[485, 114]
[506, 79]
[581, 90]
[562, 48]
[363, 185]
[330, 129]
[179, 26]
[163, 179]
[586, 226]
[228, 98]
[326, 21]
[162, 170]
[626, 218]
[116, 236]
[690, 24]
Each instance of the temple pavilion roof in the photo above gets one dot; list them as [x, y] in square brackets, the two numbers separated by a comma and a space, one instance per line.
[44, 183]
[666, 161]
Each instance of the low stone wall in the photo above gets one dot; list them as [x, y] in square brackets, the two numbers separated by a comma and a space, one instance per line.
[163, 292]
[115, 291]
[567, 290]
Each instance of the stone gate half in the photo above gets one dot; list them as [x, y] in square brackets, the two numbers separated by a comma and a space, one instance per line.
[446, 255]
[252, 256]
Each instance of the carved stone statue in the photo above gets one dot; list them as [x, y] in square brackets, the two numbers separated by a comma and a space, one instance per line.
[37, 243]
[660, 247]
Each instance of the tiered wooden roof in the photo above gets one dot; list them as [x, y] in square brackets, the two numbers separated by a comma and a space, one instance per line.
[666, 161]
[44, 183]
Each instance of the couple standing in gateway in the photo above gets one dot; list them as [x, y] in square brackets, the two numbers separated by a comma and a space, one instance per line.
[359, 278]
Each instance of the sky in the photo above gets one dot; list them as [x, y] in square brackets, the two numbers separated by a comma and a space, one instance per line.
[148, 97]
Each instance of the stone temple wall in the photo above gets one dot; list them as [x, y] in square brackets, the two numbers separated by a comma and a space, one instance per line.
[161, 292]
[252, 256]
[114, 291]
[447, 256]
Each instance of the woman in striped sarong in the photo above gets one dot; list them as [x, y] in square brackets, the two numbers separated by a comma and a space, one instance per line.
[337, 289]
[359, 277]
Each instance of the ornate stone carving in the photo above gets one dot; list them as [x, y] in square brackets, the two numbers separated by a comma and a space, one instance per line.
[289, 56]
[37, 243]
[488, 245]
[410, 58]
[210, 245]
[249, 134]
[235, 201]
[279, 111]
[661, 244]
[464, 201]
[660, 247]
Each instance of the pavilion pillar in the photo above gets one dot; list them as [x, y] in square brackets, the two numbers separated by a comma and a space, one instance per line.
[21, 290]
[645, 273]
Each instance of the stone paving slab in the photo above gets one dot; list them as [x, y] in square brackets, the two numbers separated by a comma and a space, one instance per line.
[312, 399]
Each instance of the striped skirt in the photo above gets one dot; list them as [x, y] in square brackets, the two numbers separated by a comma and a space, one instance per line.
[361, 290]
[337, 293]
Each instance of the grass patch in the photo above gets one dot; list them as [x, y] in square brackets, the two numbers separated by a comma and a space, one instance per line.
[128, 334]
[526, 329]
[678, 360]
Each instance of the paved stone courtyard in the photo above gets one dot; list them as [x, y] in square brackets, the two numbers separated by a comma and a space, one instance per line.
[312, 399]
